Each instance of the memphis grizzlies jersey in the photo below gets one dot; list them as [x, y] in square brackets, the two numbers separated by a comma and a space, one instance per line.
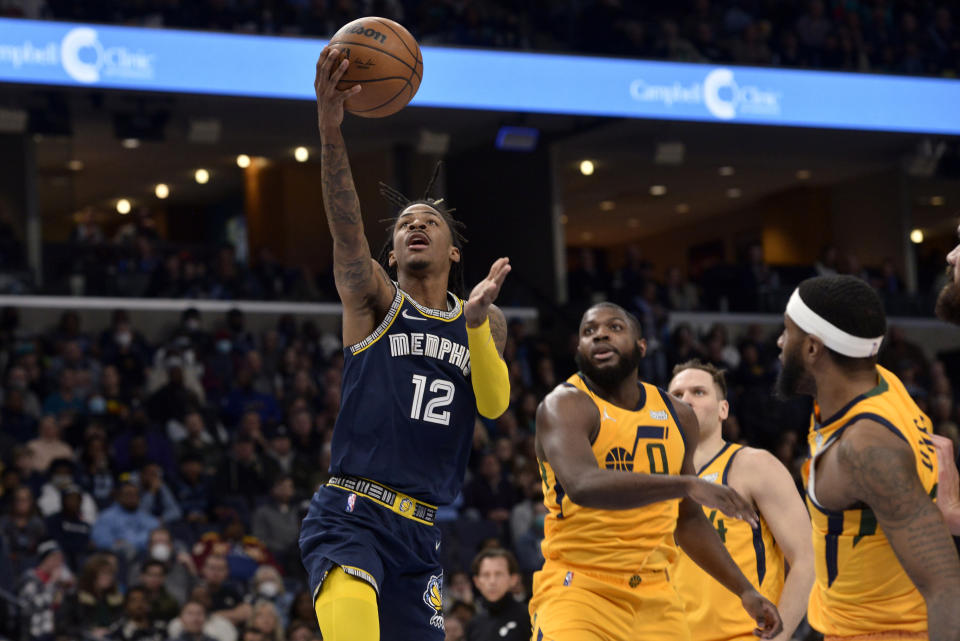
[714, 613]
[860, 586]
[407, 407]
[645, 440]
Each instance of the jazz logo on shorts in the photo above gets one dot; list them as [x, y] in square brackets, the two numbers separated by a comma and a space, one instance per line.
[567, 580]
[351, 502]
[405, 505]
[433, 597]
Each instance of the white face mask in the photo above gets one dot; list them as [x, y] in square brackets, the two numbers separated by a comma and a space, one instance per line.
[269, 589]
[161, 551]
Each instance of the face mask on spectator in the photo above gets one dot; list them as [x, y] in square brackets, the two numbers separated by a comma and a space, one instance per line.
[123, 338]
[61, 480]
[269, 589]
[97, 405]
[161, 551]
[224, 346]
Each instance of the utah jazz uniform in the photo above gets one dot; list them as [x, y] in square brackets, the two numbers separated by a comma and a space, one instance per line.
[400, 448]
[860, 587]
[714, 613]
[605, 571]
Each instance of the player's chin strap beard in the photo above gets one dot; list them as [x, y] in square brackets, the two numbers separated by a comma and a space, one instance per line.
[832, 336]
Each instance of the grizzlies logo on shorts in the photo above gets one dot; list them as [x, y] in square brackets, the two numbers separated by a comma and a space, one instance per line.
[433, 597]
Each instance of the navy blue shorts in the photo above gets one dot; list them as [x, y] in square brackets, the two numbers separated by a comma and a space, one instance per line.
[399, 557]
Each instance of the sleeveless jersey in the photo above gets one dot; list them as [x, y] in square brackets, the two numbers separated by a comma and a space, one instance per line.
[860, 585]
[645, 440]
[407, 407]
[713, 612]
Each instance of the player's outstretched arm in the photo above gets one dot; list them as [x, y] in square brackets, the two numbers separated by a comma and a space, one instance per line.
[948, 483]
[363, 286]
[881, 470]
[702, 544]
[768, 483]
[486, 337]
[567, 422]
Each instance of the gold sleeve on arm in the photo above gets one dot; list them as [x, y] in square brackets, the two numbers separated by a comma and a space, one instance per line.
[491, 381]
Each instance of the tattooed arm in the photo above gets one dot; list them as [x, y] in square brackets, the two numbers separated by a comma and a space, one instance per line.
[881, 470]
[364, 288]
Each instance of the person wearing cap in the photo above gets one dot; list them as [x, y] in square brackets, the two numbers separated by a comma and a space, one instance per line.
[68, 527]
[62, 473]
[42, 590]
[885, 564]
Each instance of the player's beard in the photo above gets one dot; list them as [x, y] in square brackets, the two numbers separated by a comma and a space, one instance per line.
[948, 302]
[608, 378]
[793, 380]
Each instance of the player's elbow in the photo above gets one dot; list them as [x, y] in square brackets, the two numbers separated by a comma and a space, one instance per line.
[493, 406]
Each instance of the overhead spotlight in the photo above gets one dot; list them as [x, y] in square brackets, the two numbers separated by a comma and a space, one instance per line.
[123, 206]
[607, 205]
[682, 208]
[803, 174]
[916, 236]
[733, 192]
[161, 190]
[937, 201]
[75, 165]
[301, 154]
[586, 167]
[658, 190]
[130, 143]
[243, 161]
[202, 176]
[726, 170]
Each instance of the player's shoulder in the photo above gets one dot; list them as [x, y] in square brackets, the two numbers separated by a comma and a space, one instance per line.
[568, 401]
[755, 462]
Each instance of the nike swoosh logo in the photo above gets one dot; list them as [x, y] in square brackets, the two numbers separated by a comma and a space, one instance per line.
[437, 546]
[404, 314]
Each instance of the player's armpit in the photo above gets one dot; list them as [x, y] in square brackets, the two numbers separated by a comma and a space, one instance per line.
[881, 469]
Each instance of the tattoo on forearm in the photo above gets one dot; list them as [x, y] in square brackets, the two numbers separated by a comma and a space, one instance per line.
[498, 328]
[339, 194]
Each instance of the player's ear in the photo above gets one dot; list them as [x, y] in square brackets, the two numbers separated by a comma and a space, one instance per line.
[391, 259]
[642, 346]
[454, 254]
[724, 410]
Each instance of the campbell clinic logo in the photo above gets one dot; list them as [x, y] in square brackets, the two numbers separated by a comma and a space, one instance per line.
[85, 59]
[719, 92]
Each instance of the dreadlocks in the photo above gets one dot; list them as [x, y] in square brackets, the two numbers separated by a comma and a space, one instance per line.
[456, 282]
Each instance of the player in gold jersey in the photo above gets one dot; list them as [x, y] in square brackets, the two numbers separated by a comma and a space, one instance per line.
[616, 458]
[783, 532]
[886, 567]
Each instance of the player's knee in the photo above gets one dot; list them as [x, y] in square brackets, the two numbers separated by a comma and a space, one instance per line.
[347, 609]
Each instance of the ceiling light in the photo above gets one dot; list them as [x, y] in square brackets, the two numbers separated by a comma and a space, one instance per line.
[733, 192]
[937, 201]
[916, 236]
[658, 190]
[803, 174]
[586, 167]
[243, 161]
[161, 190]
[607, 205]
[123, 206]
[682, 208]
[301, 154]
[130, 143]
[202, 176]
[75, 165]
[726, 170]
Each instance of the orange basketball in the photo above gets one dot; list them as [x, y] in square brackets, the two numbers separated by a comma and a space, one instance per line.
[385, 59]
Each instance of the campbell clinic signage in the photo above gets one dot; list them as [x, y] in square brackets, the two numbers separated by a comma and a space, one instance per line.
[167, 60]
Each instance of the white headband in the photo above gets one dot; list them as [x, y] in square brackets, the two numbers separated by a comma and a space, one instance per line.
[831, 335]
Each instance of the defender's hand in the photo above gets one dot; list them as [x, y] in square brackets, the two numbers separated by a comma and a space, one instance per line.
[723, 498]
[329, 99]
[763, 612]
[475, 311]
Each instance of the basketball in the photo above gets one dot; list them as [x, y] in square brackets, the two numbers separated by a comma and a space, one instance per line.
[385, 59]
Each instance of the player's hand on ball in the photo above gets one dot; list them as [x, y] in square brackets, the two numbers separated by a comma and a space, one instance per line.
[763, 612]
[329, 99]
[723, 498]
[475, 311]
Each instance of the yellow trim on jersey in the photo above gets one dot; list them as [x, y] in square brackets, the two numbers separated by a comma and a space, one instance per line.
[424, 311]
[403, 504]
[385, 324]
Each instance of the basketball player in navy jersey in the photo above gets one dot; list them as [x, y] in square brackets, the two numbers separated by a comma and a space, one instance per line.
[419, 364]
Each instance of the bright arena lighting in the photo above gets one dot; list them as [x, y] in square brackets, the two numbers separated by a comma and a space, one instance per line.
[161, 190]
[123, 206]
[202, 176]
[301, 154]
[658, 190]
[243, 161]
[916, 236]
[586, 167]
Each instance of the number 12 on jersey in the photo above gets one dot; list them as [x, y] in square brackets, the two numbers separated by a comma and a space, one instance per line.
[433, 412]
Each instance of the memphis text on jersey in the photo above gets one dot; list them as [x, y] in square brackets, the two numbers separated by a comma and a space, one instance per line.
[430, 345]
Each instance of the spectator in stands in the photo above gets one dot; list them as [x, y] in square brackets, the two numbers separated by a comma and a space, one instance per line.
[682, 295]
[454, 630]
[23, 530]
[153, 578]
[136, 624]
[174, 399]
[243, 397]
[48, 445]
[96, 474]
[267, 586]
[225, 600]
[277, 522]
[123, 526]
[51, 494]
[65, 398]
[193, 620]
[180, 573]
[490, 494]
[42, 591]
[17, 380]
[495, 574]
[265, 621]
[68, 527]
[199, 442]
[97, 604]
[155, 496]
[242, 474]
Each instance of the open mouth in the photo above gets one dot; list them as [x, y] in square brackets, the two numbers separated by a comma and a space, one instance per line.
[603, 354]
[418, 241]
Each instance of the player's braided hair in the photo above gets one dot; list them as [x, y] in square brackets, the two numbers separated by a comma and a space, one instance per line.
[455, 282]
